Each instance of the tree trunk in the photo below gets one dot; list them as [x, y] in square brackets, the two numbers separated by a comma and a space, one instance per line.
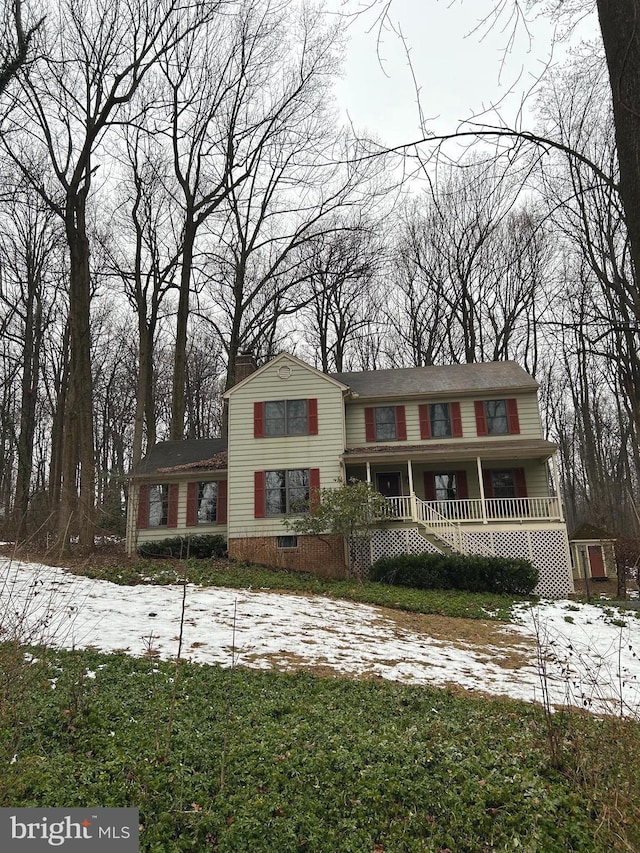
[620, 27]
[77, 506]
[182, 320]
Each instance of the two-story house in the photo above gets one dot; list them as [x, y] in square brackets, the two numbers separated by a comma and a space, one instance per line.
[457, 451]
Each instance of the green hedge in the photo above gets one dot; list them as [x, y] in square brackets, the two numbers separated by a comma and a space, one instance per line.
[185, 546]
[473, 573]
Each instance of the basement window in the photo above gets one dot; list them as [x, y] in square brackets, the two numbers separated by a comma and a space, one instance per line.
[287, 541]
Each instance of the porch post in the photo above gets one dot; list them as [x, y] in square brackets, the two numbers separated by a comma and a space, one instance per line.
[556, 485]
[481, 484]
[412, 494]
[369, 473]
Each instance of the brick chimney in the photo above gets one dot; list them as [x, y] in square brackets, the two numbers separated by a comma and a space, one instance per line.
[245, 366]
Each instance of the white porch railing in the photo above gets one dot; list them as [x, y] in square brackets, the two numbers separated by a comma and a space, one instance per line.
[410, 508]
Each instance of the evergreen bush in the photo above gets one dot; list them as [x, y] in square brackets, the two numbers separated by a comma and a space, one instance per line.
[201, 547]
[470, 572]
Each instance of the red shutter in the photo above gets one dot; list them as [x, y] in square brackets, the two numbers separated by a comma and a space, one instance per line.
[143, 506]
[429, 486]
[312, 416]
[512, 417]
[258, 420]
[481, 418]
[520, 482]
[487, 483]
[370, 424]
[401, 424]
[314, 489]
[192, 504]
[425, 424]
[172, 509]
[221, 515]
[258, 494]
[456, 420]
[462, 492]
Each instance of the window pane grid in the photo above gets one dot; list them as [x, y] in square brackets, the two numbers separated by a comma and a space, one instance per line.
[158, 505]
[286, 491]
[207, 502]
[385, 421]
[440, 419]
[496, 415]
[285, 417]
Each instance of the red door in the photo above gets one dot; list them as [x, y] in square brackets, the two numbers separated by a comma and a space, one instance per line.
[596, 561]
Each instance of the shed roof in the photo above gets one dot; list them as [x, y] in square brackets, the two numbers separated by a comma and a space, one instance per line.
[446, 379]
[587, 532]
[191, 454]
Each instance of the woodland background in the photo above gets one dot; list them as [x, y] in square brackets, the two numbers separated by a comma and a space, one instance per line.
[176, 188]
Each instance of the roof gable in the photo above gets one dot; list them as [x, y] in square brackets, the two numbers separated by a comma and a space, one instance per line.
[282, 360]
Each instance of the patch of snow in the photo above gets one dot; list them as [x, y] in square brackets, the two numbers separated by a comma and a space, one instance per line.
[588, 661]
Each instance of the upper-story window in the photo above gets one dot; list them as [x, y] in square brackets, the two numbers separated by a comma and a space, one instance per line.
[285, 417]
[497, 417]
[385, 423]
[440, 420]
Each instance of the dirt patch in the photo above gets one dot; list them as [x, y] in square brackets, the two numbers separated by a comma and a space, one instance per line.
[504, 647]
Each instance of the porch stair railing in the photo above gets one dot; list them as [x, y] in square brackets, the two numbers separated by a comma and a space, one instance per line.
[443, 528]
[412, 508]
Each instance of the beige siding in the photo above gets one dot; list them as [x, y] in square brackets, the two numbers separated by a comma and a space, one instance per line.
[528, 415]
[248, 454]
[152, 534]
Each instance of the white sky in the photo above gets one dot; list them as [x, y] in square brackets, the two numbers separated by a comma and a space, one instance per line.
[590, 660]
[459, 71]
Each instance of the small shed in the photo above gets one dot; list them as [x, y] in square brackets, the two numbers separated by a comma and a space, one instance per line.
[592, 553]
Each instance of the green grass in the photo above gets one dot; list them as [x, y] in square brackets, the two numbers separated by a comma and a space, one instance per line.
[271, 763]
[243, 575]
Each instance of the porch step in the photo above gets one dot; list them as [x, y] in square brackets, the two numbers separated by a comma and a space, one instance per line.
[435, 540]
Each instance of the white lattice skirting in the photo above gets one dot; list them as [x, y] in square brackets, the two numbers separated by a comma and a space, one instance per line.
[548, 550]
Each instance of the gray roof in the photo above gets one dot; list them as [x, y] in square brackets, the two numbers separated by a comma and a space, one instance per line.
[446, 379]
[192, 453]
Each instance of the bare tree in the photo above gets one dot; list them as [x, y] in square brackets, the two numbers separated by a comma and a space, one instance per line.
[15, 41]
[93, 64]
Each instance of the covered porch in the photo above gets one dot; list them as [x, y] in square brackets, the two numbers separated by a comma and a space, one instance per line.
[484, 483]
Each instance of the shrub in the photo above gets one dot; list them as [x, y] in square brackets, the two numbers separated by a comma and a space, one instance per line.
[473, 572]
[182, 547]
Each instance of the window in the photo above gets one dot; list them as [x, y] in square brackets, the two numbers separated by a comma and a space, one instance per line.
[207, 503]
[497, 417]
[294, 490]
[158, 505]
[285, 417]
[286, 541]
[446, 485]
[286, 491]
[505, 483]
[440, 420]
[385, 423]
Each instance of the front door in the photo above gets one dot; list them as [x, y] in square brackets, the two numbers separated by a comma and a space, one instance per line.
[596, 561]
[389, 485]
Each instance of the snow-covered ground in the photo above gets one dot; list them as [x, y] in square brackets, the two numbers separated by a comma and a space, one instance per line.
[589, 660]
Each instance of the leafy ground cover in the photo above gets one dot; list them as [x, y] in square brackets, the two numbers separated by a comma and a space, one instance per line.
[225, 573]
[236, 760]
